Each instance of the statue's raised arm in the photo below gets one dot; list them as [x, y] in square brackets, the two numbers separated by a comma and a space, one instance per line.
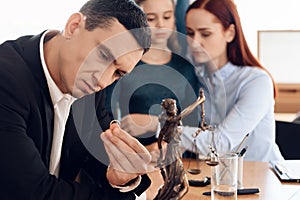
[194, 105]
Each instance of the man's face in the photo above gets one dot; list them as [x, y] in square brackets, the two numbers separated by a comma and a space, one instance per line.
[93, 60]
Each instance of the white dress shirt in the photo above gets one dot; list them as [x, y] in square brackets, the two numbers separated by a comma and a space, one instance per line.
[62, 104]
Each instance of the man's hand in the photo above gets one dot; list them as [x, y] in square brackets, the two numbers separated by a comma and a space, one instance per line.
[128, 158]
[155, 152]
[138, 124]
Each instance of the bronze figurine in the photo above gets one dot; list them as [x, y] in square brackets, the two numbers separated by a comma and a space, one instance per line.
[171, 166]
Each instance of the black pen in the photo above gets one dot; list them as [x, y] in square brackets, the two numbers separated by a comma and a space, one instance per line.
[243, 151]
[242, 142]
[239, 191]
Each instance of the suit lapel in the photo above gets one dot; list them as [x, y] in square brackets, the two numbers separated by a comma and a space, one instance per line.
[31, 53]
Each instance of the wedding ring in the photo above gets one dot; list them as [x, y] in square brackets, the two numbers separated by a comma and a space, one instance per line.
[115, 122]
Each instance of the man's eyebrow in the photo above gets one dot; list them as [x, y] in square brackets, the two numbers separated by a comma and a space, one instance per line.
[105, 50]
[108, 53]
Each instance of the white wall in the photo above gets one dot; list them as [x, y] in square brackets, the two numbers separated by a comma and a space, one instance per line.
[267, 15]
[19, 17]
[273, 15]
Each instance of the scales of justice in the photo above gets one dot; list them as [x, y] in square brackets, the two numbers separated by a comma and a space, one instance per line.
[170, 163]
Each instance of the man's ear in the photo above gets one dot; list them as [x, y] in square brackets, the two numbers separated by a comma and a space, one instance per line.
[230, 33]
[74, 22]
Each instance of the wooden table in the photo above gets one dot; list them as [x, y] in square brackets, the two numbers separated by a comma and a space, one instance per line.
[256, 175]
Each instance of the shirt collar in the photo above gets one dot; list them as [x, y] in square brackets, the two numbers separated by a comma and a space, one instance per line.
[55, 93]
[199, 70]
[222, 73]
[225, 71]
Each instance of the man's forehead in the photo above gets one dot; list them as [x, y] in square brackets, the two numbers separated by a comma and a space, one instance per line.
[121, 43]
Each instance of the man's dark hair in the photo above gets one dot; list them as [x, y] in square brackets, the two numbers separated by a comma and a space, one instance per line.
[101, 13]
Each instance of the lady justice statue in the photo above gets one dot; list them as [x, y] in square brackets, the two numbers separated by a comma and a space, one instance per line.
[171, 166]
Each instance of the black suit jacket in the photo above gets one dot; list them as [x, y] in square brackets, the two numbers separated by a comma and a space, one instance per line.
[26, 128]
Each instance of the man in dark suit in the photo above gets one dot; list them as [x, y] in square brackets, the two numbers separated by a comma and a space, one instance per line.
[44, 142]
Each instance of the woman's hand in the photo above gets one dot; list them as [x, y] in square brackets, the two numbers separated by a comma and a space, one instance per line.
[138, 124]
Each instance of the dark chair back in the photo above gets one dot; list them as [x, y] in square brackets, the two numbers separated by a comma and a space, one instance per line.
[288, 139]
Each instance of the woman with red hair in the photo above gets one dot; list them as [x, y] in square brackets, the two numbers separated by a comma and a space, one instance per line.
[239, 91]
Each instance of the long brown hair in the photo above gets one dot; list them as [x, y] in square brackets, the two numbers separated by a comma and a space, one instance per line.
[238, 50]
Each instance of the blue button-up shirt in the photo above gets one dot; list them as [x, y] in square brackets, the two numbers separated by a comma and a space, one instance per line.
[239, 100]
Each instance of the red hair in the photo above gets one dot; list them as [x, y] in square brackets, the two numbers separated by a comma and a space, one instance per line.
[238, 50]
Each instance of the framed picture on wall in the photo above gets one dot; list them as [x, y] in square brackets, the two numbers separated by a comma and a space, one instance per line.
[279, 53]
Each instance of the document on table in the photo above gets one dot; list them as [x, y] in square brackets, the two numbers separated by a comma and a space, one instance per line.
[287, 170]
